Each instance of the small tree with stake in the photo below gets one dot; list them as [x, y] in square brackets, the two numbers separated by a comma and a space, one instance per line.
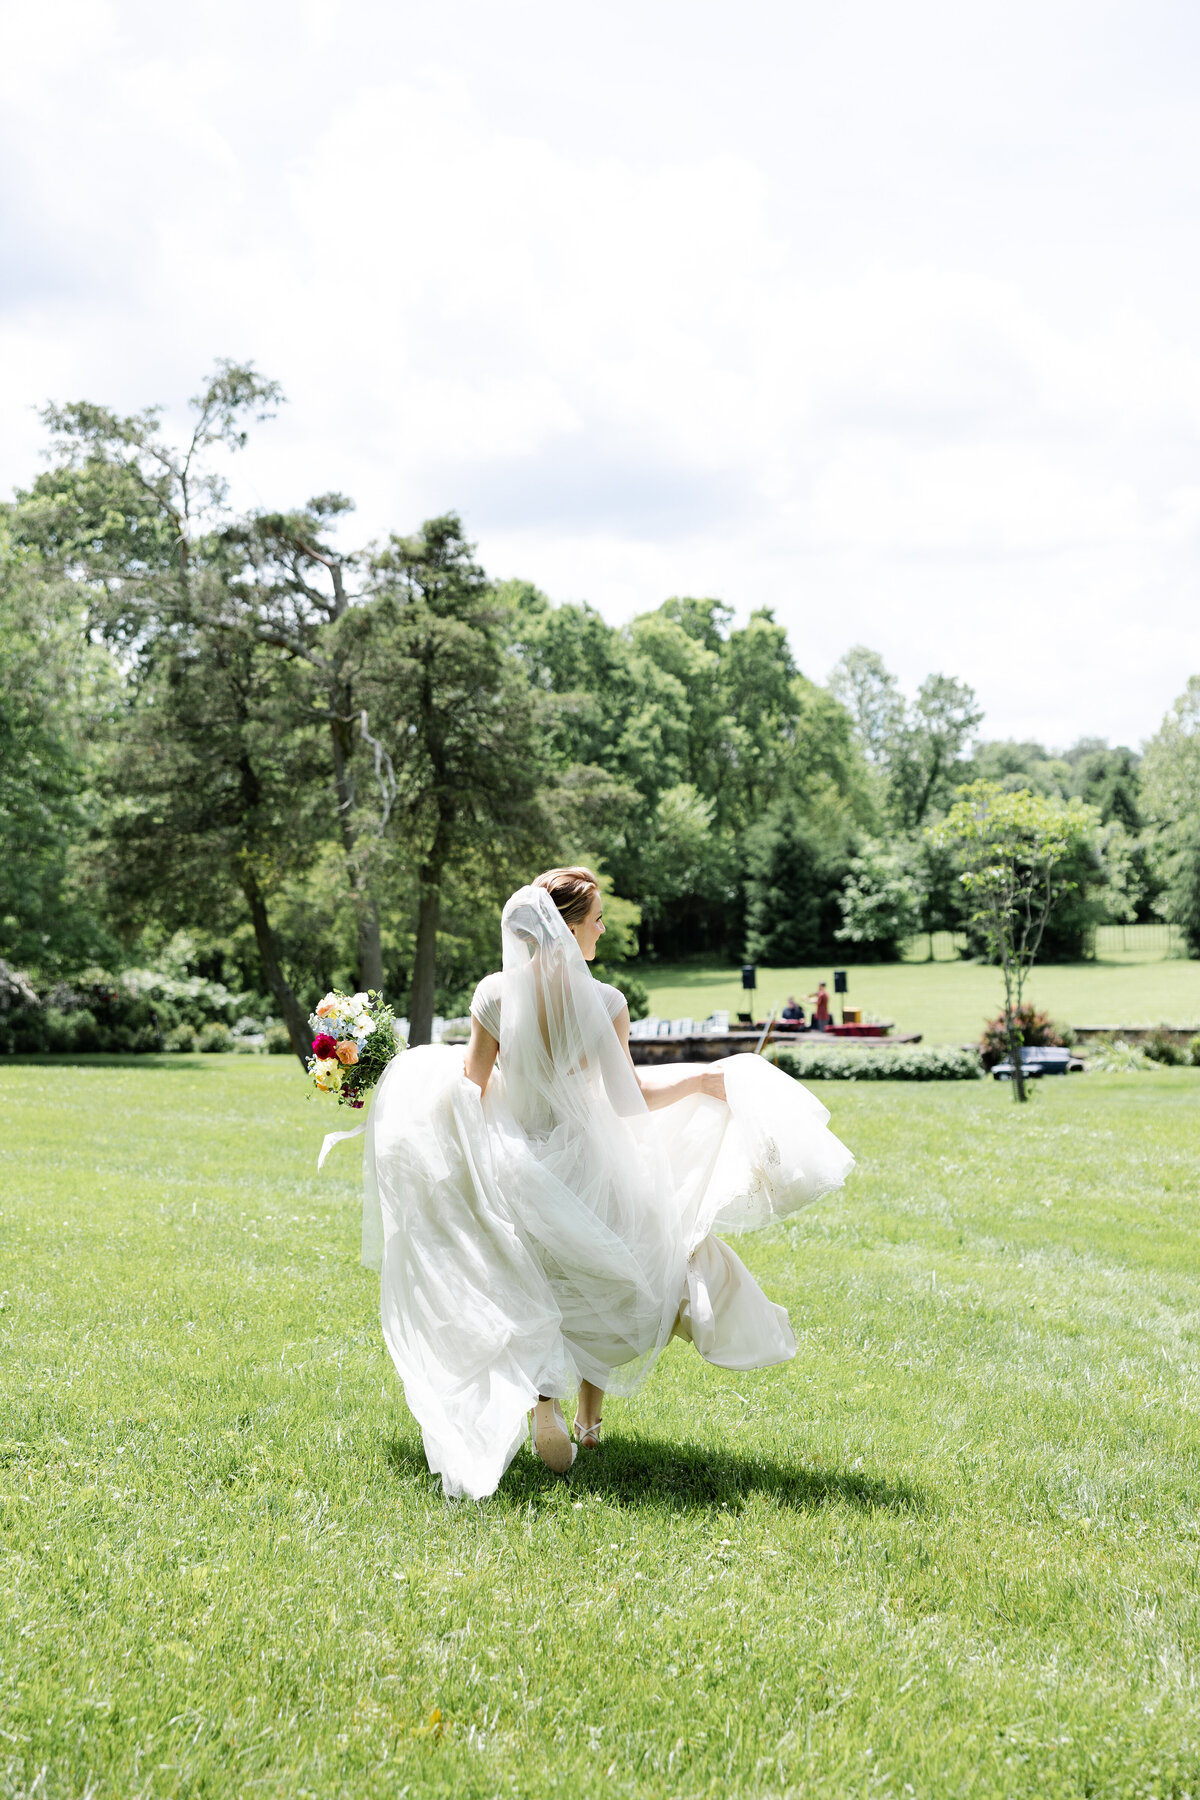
[1011, 848]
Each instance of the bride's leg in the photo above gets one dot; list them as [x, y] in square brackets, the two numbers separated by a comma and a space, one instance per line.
[551, 1440]
[587, 1414]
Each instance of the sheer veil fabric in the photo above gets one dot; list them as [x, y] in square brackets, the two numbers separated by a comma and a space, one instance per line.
[554, 1229]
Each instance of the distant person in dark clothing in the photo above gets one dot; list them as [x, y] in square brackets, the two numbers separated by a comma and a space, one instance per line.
[820, 1006]
[792, 1016]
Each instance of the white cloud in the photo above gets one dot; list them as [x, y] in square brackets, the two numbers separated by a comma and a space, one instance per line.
[795, 314]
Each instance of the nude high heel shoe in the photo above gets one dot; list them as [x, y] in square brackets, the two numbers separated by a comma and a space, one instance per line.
[548, 1436]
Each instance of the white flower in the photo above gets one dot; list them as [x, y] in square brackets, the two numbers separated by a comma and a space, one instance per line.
[360, 1002]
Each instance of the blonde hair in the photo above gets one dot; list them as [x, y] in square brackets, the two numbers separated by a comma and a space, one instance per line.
[571, 891]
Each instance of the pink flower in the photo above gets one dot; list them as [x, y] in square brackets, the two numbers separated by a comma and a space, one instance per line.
[324, 1045]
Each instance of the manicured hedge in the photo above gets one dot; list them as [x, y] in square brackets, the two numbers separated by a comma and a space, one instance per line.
[907, 1062]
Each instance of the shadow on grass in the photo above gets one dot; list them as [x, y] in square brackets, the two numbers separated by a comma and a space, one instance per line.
[658, 1475]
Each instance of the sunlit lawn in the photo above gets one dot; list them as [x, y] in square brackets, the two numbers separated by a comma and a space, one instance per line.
[954, 1545]
[948, 1001]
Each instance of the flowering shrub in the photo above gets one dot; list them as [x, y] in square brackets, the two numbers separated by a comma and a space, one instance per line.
[907, 1062]
[139, 1011]
[354, 1041]
[1161, 1047]
[1037, 1030]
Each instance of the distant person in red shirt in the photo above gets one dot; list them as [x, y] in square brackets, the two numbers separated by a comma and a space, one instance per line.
[820, 1006]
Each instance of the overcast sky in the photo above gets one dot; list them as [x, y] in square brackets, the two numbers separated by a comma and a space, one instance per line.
[887, 317]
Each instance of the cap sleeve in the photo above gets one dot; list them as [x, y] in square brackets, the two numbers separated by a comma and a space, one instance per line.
[485, 1004]
[613, 998]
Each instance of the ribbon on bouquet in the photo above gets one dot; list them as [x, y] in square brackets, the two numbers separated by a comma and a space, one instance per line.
[338, 1137]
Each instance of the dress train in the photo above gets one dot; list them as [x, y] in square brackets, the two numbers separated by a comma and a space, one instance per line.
[516, 1261]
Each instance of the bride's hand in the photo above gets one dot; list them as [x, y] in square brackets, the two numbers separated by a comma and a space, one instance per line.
[713, 1081]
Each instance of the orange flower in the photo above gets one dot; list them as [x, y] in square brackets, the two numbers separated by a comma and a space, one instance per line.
[327, 1006]
[347, 1053]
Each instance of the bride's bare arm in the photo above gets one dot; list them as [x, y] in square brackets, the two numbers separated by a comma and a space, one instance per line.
[669, 1082]
[480, 1058]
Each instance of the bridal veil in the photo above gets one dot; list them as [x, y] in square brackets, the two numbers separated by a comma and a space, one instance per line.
[554, 1229]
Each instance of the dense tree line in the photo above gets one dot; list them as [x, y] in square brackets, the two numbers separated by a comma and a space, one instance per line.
[230, 742]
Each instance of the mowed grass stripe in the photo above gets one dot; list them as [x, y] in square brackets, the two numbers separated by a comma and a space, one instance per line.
[954, 1544]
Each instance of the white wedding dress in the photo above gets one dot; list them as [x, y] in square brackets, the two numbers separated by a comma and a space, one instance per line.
[554, 1229]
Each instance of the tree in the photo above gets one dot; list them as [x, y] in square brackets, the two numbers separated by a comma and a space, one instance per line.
[295, 590]
[56, 696]
[210, 801]
[460, 722]
[871, 695]
[880, 901]
[1171, 790]
[677, 703]
[683, 861]
[142, 525]
[917, 750]
[1011, 848]
[925, 756]
[940, 896]
[791, 887]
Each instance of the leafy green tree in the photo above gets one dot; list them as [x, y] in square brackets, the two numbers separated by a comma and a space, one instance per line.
[142, 526]
[685, 865]
[57, 693]
[680, 703]
[1023, 765]
[939, 891]
[871, 695]
[880, 901]
[1171, 787]
[210, 801]
[461, 725]
[1119, 876]
[1108, 779]
[295, 588]
[926, 757]
[792, 880]
[1012, 849]
[918, 750]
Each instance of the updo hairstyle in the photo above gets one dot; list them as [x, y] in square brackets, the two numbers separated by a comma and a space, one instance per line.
[571, 890]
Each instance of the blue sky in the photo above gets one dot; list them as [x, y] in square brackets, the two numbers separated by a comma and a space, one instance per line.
[885, 317]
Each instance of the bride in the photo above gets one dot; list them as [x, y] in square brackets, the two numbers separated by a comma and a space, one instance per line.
[542, 1211]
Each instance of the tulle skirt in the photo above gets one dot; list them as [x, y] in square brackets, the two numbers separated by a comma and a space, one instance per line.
[516, 1262]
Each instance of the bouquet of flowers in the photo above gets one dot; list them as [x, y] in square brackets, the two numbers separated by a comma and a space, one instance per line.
[354, 1040]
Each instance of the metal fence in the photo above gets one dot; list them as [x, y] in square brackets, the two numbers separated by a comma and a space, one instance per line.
[1142, 940]
[1106, 940]
[936, 946]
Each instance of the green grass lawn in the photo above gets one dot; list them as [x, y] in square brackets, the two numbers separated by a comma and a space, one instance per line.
[953, 1549]
[948, 1001]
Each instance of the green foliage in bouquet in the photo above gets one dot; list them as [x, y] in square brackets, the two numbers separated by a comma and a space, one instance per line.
[354, 1040]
